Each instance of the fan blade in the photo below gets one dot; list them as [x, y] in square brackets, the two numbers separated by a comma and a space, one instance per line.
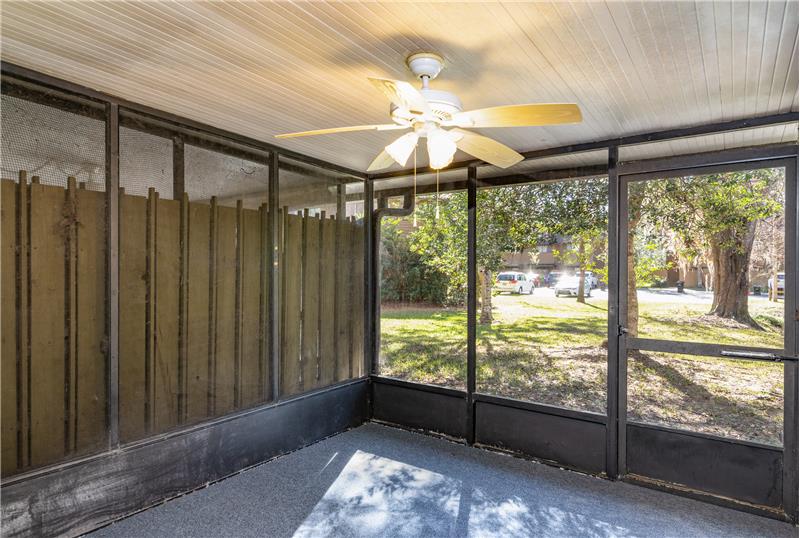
[332, 130]
[402, 94]
[518, 115]
[383, 160]
[485, 149]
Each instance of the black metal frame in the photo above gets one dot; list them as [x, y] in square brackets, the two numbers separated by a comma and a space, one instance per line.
[475, 416]
[631, 140]
[173, 121]
[693, 471]
[507, 424]
[288, 422]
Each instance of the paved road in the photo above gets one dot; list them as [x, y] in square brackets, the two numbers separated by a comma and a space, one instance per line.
[658, 295]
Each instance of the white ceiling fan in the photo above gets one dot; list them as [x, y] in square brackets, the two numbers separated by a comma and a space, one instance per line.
[438, 116]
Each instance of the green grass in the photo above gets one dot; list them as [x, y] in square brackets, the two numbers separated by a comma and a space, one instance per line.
[552, 350]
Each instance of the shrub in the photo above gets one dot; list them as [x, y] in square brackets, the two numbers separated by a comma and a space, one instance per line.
[406, 278]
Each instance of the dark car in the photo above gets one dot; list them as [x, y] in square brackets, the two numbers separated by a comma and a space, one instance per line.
[551, 278]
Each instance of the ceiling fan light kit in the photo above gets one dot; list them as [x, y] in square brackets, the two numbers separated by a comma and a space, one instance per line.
[439, 116]
[400, 150]
[441, 149]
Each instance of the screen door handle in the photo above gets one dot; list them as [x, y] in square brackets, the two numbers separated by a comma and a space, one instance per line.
[757, 356]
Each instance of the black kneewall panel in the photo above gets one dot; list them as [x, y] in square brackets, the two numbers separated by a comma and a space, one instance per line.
[740, 471]
[419, 409]
[568, 441]
[80, 497]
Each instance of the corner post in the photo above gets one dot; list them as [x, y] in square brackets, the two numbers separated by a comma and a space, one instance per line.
[790, 374]
[616, 392]
[274, 241]
[472, 304]
[370, 297]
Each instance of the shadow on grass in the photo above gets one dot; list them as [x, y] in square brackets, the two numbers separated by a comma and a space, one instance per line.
[561, 361]
[544, 330]
[699, 408]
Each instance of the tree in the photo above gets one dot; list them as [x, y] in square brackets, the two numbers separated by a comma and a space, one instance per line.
[442, 241]
[511, 219]
[718, 213]
[405, 278]
[576, 210]
[636, 199]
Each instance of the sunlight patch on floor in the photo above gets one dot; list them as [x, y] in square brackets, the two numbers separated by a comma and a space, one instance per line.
[376, 496]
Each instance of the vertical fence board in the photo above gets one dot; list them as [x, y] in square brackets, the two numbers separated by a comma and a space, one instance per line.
[225, 311]
[150, 310]
[357, 308]
[251, 270]
[23, 335]
[180, 263]
[237, 321]
[198, 319]
[343, 299]
[91, 309]
[132, 315]
[327, 340]
[8, 327]
[311, 301]
[290, 366]
[47, 269]
[69, 232]
[213, 271]
[167, 288]
[183, 303]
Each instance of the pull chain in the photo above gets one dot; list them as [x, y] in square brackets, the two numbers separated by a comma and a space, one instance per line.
[415, 186]
[437, 194]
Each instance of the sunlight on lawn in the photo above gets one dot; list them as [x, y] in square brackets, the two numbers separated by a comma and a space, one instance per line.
[688, 323]
[552, 350]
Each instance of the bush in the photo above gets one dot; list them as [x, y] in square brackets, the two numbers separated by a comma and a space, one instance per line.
[405, 276]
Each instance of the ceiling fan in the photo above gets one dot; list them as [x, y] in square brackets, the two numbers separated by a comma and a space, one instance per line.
[438, 116]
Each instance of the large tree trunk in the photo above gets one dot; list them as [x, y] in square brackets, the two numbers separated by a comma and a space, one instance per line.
[635, 200]
[773, 249]
[486, 296]
[632, 323]
[581, 272]
[730, 256]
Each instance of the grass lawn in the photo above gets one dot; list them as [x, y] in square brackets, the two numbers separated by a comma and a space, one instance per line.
[552, 350]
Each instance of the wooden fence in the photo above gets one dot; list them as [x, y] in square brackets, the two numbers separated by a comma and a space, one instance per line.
[194, 331]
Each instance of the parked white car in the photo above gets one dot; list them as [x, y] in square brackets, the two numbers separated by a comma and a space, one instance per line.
[569, 286]
[513, 282]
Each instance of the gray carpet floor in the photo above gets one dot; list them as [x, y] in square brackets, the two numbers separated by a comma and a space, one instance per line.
[376, 481]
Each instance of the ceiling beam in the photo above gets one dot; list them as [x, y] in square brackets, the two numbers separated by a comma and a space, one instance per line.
[643, 138]
[504, 181]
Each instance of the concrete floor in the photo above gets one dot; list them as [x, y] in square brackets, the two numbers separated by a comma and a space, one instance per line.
[383, 482]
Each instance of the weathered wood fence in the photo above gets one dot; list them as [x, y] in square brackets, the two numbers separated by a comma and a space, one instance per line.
[194, 314]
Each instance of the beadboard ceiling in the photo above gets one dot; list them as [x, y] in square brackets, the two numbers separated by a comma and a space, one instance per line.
[260, 68]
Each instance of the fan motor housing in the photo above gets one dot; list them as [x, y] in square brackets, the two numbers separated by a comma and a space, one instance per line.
[443, 104]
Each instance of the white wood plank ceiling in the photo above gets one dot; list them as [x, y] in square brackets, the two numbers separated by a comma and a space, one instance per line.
[264, 68]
